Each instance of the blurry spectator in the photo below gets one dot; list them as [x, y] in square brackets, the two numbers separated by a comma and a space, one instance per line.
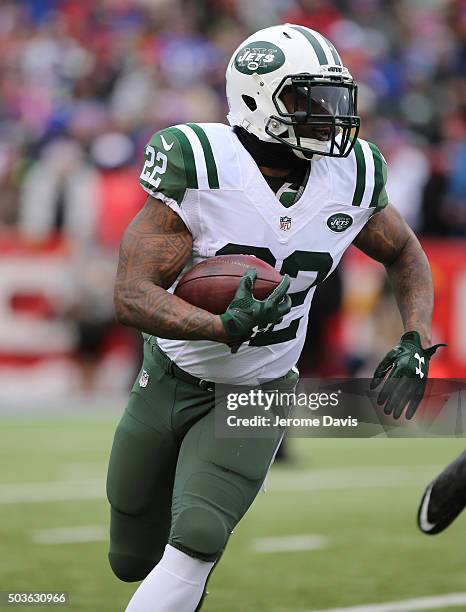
[90, 308]
[319, 15]
[408, 171]
[455, 201]
[445, 195]
[10, 171]
[116, 200]
[59, 193]
[89, 201]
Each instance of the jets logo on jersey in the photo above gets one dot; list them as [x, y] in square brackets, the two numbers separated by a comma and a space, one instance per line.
[339, 222]
[262, 57]
[285, 223]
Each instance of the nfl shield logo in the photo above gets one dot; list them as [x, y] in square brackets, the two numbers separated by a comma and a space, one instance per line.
[143, 379]
[285, 223]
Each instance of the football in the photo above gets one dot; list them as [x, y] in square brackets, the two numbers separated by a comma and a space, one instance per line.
[211, 285]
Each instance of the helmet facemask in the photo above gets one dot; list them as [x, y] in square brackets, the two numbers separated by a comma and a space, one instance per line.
[315, 115]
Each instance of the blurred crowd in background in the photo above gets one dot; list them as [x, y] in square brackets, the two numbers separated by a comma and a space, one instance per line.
[83, 85]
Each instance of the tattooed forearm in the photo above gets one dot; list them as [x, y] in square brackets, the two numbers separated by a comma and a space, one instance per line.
[154, 250]
[411, 280]
[388, 239]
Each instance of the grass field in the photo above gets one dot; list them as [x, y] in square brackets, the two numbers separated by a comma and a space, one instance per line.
[359, 495]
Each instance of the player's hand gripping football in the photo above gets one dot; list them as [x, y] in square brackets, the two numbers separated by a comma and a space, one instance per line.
[246, 316]
[407, 366]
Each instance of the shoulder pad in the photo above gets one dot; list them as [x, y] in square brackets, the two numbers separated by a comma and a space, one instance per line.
[176, 159]
[370, 176]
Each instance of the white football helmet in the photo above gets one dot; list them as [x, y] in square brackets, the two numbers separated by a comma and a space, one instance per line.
[287, 83]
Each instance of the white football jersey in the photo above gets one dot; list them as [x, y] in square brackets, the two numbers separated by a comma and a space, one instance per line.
[205, 175]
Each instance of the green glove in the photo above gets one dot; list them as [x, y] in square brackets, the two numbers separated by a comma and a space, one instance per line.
[245, 316]
[408, 366]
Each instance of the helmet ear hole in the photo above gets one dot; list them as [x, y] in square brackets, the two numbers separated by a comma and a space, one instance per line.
[250, 102]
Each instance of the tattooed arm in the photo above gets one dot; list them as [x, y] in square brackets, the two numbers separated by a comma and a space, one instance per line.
[388, 239]
[154, 250]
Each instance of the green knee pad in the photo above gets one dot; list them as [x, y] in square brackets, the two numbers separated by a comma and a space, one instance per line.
[200, 532]
[131, 569]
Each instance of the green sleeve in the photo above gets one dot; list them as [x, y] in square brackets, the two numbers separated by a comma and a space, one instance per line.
[168, 165]
[379, 197]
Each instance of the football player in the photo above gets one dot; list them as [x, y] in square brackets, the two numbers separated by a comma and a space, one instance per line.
[444, 498]
[290, 182]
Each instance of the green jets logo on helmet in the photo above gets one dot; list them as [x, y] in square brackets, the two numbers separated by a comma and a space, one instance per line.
[339, 222]
[260, 57]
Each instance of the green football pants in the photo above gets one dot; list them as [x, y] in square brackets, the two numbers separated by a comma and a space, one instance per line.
[170, 479]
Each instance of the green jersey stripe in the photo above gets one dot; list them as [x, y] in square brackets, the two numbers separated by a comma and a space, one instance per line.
[360, 174]
[212, 173]
[188, 157]
[334, 52]
[319, 50]
[383, 197]
[378, 172]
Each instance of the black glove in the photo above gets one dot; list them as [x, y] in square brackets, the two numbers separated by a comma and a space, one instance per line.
[246, 316]
[408, 366]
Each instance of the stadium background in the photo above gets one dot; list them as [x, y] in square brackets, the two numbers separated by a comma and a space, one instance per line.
[83, 85]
